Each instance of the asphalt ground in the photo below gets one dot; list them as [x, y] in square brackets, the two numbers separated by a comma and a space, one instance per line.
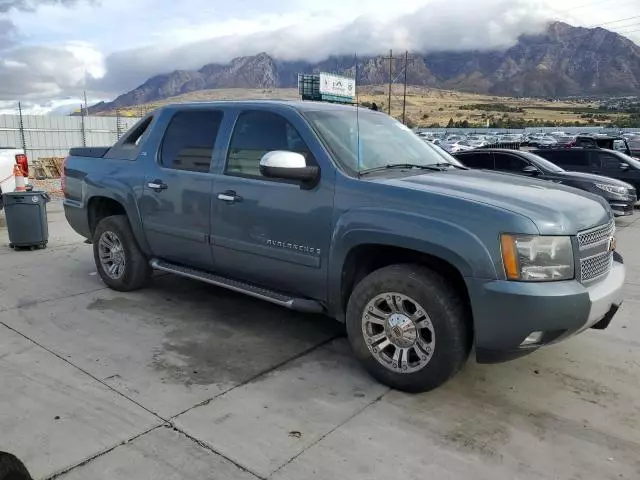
[187, 381]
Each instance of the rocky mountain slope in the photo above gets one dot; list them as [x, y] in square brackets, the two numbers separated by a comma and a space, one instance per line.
[562, 61]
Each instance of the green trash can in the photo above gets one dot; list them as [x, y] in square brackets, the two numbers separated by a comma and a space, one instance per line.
[26, 218]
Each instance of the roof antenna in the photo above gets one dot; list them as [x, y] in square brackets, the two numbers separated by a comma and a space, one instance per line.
[355, 87]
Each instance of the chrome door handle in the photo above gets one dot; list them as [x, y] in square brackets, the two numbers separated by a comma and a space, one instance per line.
[157, 185]
[229, 196]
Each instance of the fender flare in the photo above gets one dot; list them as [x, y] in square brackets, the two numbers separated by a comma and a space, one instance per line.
[119, 192]
[437, 237]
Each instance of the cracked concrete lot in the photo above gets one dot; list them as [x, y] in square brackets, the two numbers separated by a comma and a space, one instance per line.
[187, 381]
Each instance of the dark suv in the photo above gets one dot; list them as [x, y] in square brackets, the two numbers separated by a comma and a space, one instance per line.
[600, 161]
[620, 195]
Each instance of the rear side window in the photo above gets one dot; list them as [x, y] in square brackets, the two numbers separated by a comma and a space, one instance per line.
[259, 132]
[136, 135]
[509, 163]
[477, 160]
[189, 140]
[566, 158]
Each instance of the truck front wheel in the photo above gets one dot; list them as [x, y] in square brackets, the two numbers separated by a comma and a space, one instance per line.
[120, 262]
[408, 327]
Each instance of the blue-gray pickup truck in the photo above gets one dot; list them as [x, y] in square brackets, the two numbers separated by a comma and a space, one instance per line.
[332, 209]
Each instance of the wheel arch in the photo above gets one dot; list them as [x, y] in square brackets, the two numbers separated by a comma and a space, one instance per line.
[367, 258]
[103, 204]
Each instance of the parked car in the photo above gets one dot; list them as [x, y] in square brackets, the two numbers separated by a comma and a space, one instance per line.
[606, 142]
[9, 158]
[540, 140]
[620, 195]
[600, 161]
[421, 258]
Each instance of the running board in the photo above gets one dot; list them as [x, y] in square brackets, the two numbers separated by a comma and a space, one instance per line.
[293, 303]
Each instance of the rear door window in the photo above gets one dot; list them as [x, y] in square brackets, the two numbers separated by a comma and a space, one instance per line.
[509, 163]
[566, 158]
[189, 139]
[477, 160]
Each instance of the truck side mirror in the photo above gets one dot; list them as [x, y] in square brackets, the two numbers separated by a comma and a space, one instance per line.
[287, 165]
[530, 170]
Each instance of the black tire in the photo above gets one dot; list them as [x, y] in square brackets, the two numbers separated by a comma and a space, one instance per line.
[12, 469]
[446, 311]
[137, 271]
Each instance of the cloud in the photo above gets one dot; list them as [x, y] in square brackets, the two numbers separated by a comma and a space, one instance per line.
[8, 34]
[36, 72]
[450, 25]
[41, 58]
[32, 5]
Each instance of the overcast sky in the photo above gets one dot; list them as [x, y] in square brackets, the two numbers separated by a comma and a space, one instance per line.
[52, 50]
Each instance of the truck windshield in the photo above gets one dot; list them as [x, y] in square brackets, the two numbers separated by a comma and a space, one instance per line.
[383, 140]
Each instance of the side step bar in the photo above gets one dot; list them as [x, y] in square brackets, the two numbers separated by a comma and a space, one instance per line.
[293, 303]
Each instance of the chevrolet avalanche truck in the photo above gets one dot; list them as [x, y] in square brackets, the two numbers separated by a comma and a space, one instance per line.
[343, 211]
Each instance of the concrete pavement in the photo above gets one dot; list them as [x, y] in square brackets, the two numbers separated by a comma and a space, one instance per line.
[187, 381]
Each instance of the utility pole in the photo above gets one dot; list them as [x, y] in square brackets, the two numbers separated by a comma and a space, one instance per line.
[86, 107]
[404, 98]
[21, 125]
[391, 58]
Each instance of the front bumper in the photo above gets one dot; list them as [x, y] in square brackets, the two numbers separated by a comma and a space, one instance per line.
[505, 313]
[622, 208]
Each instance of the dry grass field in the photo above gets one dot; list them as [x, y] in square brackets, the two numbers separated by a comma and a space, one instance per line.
[424, 106]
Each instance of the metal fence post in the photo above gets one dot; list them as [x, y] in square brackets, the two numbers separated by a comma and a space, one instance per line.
[21, 126]
[84, 133]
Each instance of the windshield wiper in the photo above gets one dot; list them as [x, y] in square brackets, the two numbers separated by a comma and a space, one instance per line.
[403, 165]
[447, 164]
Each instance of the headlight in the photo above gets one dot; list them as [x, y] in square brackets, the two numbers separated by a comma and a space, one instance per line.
[612, 188]
[535, 258]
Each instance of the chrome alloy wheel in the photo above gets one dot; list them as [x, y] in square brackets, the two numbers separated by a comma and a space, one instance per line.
[112, 256]
[398, 332]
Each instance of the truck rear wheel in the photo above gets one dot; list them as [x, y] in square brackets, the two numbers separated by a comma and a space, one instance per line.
[119, 260]
[407, 325]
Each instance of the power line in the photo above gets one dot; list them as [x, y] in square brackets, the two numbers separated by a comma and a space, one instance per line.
[590, 4]
[626, 33]
[614, 21]
[631, 25]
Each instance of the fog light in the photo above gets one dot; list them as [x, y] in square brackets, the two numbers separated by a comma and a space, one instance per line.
[532, 339]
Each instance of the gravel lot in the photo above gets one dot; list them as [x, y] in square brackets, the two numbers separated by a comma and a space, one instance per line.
[187, 381]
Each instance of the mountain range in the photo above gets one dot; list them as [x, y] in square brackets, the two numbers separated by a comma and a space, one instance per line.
[562, 61]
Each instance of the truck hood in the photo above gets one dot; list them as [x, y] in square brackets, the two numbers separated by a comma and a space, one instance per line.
[555, 209]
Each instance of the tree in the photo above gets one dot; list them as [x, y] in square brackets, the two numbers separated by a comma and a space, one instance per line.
[451, 123]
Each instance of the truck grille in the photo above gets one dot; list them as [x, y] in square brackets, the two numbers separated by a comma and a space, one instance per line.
[596, 235]
[595, 267]
[595, 257]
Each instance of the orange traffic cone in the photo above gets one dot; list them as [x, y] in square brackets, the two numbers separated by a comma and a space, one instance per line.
[21, 185]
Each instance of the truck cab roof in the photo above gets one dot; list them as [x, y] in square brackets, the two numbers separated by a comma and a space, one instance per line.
[294, 104]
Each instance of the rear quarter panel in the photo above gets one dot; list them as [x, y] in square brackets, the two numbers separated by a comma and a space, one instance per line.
[88, 179]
